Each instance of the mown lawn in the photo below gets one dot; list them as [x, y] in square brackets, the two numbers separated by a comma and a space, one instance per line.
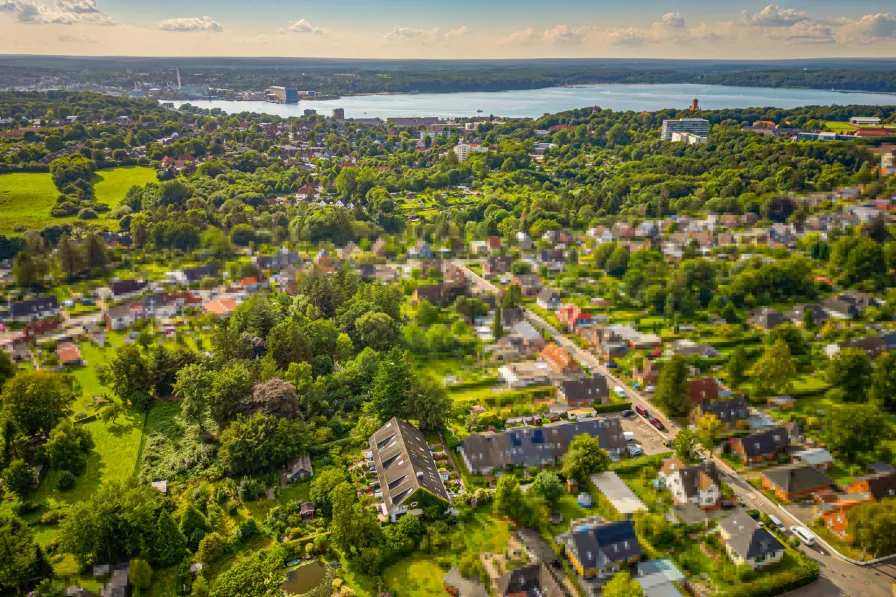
[27, 197]
[111, 186]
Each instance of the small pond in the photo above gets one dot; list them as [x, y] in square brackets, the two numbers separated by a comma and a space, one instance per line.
[304, 578]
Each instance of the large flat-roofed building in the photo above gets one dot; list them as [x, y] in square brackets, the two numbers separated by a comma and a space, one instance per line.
[864, 120]
[695, 126]
[405, 469]
[282, 95]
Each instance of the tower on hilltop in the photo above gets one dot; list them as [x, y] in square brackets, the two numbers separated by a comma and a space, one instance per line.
[695, 105]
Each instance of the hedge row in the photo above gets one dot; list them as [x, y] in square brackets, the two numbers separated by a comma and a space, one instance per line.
[473, 385]
[770, 585]
[613, 407]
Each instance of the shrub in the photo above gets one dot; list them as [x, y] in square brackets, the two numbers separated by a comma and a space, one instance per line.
[87, 214]
[65, 481]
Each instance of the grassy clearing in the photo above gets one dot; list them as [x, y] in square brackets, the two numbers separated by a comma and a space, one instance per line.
[111, 186]
[27, 197]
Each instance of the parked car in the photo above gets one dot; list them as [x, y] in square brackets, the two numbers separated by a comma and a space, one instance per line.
[743, 504]
[804, 535]
[650, 389]
[635, 450]
[642, 411]
[777, 523]
[627, 412]
[611, 365]
[667, 443]
[657, 423]
[620, 391]
[728, 504]
[628, 436]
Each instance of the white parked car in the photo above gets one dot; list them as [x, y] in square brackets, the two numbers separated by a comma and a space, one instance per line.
[804, 535]
[619, 391]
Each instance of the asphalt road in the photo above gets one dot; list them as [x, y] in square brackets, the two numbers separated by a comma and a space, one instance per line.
[838, 578]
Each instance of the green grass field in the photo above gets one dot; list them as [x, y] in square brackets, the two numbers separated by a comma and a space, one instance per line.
[27, 197]
[840, 127]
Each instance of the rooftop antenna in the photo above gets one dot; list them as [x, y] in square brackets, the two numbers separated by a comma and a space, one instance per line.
[178, 77]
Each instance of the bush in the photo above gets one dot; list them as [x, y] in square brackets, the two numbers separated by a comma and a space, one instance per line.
[87, 214]
[65, 481]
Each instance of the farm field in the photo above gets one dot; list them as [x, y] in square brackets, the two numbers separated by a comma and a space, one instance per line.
[27, 197]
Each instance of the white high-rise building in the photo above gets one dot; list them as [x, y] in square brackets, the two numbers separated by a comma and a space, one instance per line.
[694, 126]
[463, 150]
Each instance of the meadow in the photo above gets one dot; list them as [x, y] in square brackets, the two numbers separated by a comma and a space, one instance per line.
[27, 197]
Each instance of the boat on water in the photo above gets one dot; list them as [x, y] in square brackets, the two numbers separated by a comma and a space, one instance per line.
[479, 111]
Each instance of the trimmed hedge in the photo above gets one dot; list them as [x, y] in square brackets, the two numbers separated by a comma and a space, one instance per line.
[613, 407]
[770, 585]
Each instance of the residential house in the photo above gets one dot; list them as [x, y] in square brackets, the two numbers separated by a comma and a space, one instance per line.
[762, 446]
[603, 549]
[766, 318]
[636, 340]
[420, 250]
[797, 315]
[699, 484]
[537, 446]
[818, 458]
[306, 511]
[870, 488]
[732, 413]
[452, 274]
[524, 241]
[584, 392]
[793, 481]
[553, 259]
[574, 317]
[688, 348]
[478, 247]
[512, 316]
[533, 579]
[605, 342]
[847, 305]
[648, 374]
[379, 248]
[873, 346]
[602, 234]
[705, 389]
[493, 243]
[748, 543]
[300, 468]
[219, 308]
[405, 469]
[324, 258]
[122, 316]
[525, 374]
[548, 299]
[558, 359]
[496, 265]
[279, 260]
[530, 284]
[532, 339]
[123, 290]
[69, 354]
[624, 231]
[43, 307]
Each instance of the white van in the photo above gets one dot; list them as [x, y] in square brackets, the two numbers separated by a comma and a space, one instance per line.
[629, 436]
[777, 522]
[804, 535]
[619, 391]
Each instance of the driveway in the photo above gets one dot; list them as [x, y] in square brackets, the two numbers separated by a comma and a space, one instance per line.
[645, 435]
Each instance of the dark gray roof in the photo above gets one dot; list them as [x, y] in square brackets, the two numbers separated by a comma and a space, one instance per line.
[767, 318]
[692, 476]
[796, 478]
[728, 411]
[196, 274]
[747, 538]
[534, 579]
[797, 313]
[608, 542]
[537, 446]
[838, 305]
[404, 463]
[127, 287]
[33, 306]
[511, 316]
[592, 388]
[770, 441]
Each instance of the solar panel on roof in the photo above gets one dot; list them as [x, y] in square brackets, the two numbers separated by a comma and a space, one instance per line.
[538, 437]
[515, 440]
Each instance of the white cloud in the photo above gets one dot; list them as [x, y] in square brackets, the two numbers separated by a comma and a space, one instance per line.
[674, 20]
[301, 26]
[774, 16]
[63, 12]
[188, 24]
[425, 36]
[628, 36]
[869, 29]
[562, 34]
[520, 38]
[804, 32]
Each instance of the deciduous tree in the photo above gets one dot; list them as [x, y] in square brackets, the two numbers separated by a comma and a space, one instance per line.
[585, 458]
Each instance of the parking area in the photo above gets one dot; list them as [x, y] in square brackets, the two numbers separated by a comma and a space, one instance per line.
[649, 440]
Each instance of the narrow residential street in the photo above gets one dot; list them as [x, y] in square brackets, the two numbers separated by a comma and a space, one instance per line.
[838, 577]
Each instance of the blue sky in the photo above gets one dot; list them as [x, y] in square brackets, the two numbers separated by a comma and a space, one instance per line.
[457, 29]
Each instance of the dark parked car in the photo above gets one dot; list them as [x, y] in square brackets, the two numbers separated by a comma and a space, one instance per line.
[728, 504]
[642, 411]
[657, 423]
[627, 413]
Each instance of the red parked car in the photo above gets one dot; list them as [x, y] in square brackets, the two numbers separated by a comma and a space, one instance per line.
[658, 424]
[642, 411]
